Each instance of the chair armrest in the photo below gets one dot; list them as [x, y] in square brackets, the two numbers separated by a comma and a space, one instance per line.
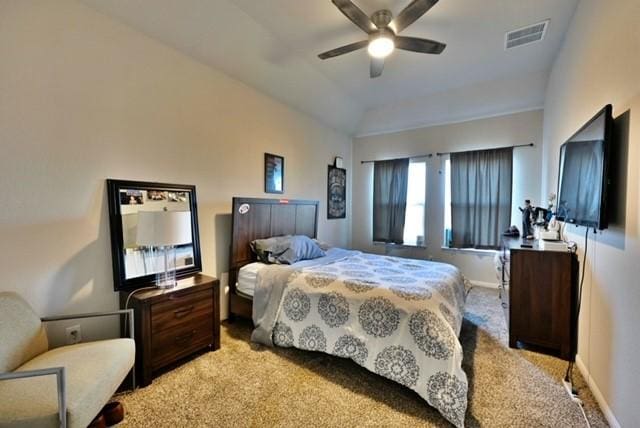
[61, 387]
[128, 312]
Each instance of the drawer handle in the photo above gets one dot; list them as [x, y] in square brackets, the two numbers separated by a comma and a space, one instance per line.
[185, 337]
[179, 313]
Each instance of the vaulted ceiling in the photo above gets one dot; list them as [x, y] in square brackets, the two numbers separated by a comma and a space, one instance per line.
[272, 45]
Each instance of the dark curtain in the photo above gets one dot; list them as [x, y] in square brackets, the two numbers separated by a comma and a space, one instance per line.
[390, 179]
[480, 197]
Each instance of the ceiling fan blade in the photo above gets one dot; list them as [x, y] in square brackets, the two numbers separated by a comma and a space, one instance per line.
[343, 49]
[409, 14]
[415, 44]
[356, 15]
[377, 64]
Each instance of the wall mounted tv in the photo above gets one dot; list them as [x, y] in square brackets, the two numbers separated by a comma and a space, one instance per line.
[584, 173]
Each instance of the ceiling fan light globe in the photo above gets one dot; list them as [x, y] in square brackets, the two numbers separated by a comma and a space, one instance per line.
[381, 47]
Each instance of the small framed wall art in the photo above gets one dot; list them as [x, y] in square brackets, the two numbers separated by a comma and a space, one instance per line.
[273, 173]
[336, 193]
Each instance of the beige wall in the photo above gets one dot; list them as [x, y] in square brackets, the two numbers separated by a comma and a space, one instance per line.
[83, 98]
[518, 128]
[599, 64]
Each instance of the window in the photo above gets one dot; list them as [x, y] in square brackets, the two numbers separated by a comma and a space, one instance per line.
[477, 197]
[414, 223]
[399, 195]
[447, 202]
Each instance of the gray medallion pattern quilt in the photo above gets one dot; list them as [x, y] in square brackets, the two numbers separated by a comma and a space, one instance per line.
[399, 318]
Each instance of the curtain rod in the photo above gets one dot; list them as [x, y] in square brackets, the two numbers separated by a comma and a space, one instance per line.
[448, 153]
[495, 148]
[408, 157]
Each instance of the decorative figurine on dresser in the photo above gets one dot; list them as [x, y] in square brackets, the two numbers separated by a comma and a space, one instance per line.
[527, 213]
[156, 269]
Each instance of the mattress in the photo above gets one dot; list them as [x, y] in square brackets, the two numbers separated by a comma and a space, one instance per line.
[247, 277]
[248, 274]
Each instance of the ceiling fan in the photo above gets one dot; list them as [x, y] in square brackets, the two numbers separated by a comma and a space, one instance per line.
[382, 29]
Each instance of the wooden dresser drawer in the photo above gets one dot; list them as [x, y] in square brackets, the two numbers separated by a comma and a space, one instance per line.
[183, 340]
[172, 324]
[185, 309]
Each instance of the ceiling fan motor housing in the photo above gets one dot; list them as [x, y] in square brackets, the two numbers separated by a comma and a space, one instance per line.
[382, 18]
[382, 33]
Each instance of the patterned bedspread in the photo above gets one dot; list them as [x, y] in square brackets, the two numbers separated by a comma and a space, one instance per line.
[399, 318]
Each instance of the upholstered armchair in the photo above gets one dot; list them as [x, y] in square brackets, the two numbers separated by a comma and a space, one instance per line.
[66, 386]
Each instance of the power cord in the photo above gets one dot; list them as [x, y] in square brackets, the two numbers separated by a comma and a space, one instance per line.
[574, 397]
[584, 267]
[568, 377]
[126, 304]
[584, 414]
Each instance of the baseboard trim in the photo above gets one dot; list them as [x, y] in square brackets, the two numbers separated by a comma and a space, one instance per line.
[483, 284]
[604, 406]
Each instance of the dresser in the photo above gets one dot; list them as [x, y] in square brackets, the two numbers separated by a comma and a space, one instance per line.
[171, 324]
[540, 295]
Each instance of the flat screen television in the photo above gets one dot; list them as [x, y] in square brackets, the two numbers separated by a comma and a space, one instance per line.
[584, 173]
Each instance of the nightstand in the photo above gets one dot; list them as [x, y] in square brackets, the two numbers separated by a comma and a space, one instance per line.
[171, 324]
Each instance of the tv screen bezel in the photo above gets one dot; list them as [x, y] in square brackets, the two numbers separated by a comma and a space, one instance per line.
[603, 221]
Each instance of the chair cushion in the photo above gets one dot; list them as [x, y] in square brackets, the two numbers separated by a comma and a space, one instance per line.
[94, 370]
[21, 332]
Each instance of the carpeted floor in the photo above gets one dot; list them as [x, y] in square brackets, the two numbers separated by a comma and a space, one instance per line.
[247, 385]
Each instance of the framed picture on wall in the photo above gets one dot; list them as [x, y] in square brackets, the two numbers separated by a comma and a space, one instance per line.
[336, 193]
[273, 173]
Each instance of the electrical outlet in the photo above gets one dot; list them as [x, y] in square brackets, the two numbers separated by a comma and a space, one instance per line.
[572, 394]
[74, 334]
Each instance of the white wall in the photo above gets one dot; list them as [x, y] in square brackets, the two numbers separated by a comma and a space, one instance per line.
[84, 98]
[518, 128]
[493, 98]
[597, 65]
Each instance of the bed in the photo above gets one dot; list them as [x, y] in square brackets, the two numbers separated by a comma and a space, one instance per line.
[399, 318]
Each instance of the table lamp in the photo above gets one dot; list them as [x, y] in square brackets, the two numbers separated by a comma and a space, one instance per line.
[164, 230]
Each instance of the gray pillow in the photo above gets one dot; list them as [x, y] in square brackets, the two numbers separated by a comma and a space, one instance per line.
[286, 249]
[324, 246]
[266, 249]
[300, 248]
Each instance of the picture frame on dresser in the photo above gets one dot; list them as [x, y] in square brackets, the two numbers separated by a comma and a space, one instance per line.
[136, 266]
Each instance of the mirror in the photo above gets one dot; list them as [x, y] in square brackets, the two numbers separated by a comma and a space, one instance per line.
[135, 261]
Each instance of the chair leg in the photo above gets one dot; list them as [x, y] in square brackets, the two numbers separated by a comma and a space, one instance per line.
[113, 413]
[98, 422]
[133, 377]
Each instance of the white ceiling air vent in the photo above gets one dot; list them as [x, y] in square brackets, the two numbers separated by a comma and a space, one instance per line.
[526, 35]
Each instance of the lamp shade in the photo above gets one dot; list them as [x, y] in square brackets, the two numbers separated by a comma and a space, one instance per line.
[163, 228]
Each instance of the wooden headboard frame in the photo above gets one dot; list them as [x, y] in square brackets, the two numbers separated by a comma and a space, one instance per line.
[257, 218]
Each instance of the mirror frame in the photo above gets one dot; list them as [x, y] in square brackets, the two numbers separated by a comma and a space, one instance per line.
[120, 281]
